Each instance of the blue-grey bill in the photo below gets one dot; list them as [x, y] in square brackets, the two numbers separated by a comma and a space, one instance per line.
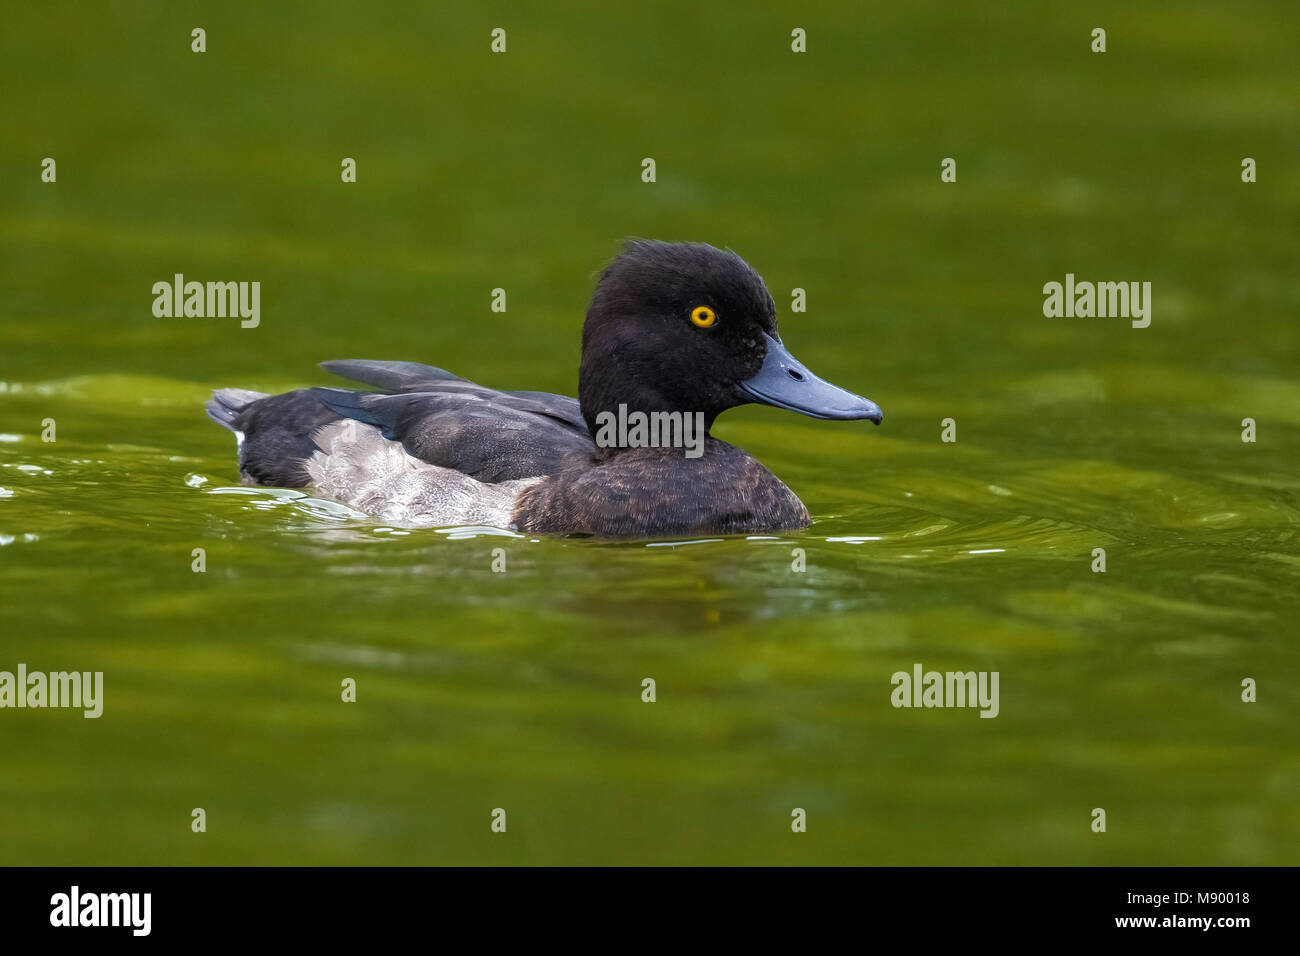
[785, 382]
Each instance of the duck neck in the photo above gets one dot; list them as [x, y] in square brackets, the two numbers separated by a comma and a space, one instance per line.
[619, 423]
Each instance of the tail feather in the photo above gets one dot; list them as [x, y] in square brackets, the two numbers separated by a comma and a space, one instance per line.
[227, 404]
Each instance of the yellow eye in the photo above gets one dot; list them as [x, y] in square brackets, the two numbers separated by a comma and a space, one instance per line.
[703, 316]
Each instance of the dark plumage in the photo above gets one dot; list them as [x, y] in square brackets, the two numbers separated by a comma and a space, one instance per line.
[672, 328]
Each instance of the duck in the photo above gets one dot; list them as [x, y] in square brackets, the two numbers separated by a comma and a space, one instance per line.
[676, 333]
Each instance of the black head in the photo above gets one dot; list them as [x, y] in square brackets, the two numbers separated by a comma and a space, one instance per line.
[686, 327]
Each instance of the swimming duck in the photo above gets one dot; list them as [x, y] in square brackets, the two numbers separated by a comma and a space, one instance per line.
[677, 332]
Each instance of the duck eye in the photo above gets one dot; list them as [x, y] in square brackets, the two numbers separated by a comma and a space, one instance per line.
[703, 316]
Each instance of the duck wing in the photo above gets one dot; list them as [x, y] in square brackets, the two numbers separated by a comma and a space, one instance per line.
[442, 419]
[415, 377]
[390, 376]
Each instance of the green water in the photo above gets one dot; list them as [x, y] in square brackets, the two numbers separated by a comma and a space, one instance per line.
[522, 690]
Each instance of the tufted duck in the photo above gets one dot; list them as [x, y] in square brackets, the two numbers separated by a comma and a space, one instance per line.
[676, 334]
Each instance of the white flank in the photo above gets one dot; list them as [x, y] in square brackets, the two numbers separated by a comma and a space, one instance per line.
[360, 467]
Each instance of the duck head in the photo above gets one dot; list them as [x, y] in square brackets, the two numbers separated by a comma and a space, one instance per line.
[685, 327]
